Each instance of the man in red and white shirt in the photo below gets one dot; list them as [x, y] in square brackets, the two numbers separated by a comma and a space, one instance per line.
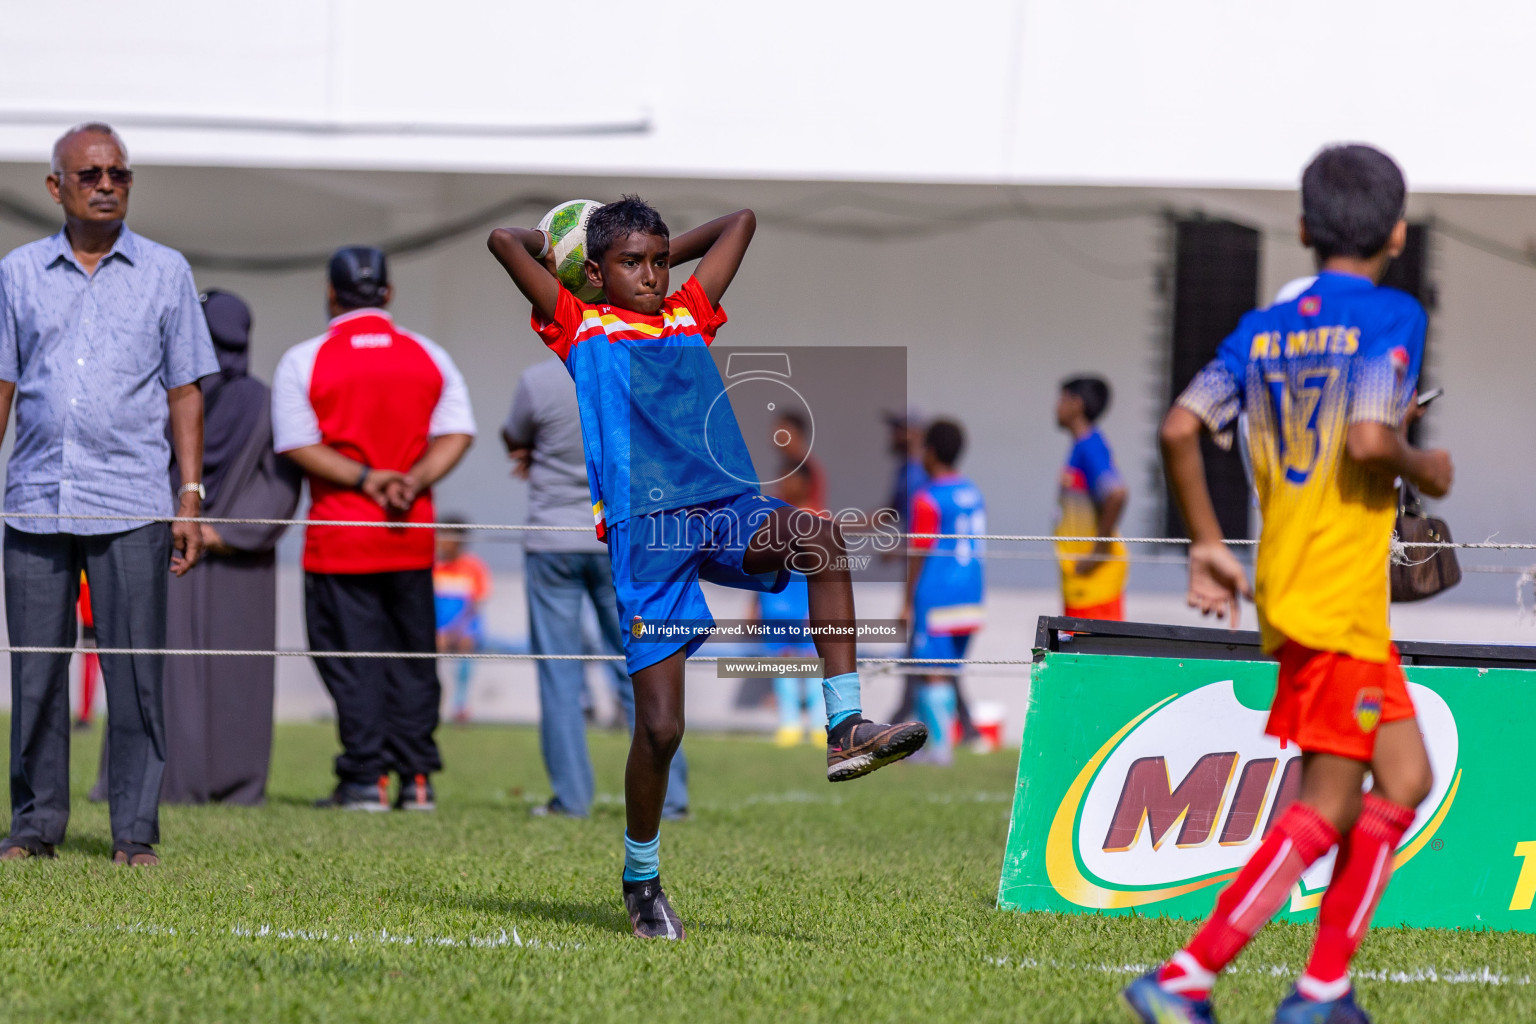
[375, 415]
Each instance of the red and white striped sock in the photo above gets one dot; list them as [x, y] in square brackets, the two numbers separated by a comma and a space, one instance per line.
[1359, 878]
[1186, 976]
[1298, 839]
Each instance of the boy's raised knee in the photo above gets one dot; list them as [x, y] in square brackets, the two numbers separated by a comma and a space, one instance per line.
[808, 528]
[830, 533]
[818, 543]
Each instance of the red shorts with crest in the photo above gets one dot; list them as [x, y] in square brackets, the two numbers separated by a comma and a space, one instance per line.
[1331, 703]
[1109, 611]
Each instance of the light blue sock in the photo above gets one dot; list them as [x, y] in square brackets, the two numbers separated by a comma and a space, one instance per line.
[461, 685]
[641, 860]
[842, 697]
[787, 692]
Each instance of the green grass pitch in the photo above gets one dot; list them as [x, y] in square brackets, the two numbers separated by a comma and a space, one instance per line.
[866, 901]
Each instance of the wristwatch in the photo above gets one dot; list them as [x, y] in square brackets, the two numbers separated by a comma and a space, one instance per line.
[197, 489]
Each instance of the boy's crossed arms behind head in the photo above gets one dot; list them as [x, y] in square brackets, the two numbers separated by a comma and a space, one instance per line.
[630, 253]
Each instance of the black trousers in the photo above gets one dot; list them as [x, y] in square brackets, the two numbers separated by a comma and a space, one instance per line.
[128, 573]
[386, 708]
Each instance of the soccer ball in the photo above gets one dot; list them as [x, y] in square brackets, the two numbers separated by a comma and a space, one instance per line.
[567, 227]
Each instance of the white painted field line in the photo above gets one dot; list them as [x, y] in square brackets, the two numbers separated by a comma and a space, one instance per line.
[383, 937]
[1476, 976]
[797, 796]
[802, 797]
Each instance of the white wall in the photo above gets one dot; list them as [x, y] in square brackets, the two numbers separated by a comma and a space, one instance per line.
[1182, 92]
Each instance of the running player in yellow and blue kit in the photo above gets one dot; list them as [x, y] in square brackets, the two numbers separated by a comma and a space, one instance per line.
[1327, 381]
[1092, 497]
[676, 498]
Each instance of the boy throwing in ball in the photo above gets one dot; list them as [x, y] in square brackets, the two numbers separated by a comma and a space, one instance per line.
[675, 496]
[1327, 381]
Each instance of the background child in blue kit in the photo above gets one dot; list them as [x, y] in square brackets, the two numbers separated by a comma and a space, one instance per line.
[946, 584]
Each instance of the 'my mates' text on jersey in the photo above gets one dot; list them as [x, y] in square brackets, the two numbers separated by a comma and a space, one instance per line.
[1344, 352]
[948, 598]
[656, 422]
[377, 394]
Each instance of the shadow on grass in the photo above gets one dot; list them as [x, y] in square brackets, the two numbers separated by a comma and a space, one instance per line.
[513, 805]
[603, 916]
[293, 800]
[91, 846]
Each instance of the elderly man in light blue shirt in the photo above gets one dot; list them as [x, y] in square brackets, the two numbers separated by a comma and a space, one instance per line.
[102, 345]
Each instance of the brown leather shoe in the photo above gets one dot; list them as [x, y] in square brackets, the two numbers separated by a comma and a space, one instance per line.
[855, 749]
[138, 855]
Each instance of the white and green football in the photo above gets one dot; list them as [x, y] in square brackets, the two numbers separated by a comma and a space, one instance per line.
[567, 227]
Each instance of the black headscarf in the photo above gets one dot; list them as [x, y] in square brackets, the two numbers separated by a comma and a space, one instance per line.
[232, 400]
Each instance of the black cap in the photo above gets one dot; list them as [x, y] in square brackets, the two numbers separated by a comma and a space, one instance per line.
[359, 273]
[229, 319]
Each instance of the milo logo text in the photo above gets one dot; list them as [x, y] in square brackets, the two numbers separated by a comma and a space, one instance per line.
[1173, 801]
[1148, 803]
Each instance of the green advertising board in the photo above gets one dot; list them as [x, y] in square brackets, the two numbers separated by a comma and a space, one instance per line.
[1146, 782]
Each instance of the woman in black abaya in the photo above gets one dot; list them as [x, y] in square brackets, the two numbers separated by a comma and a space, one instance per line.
[218, 709]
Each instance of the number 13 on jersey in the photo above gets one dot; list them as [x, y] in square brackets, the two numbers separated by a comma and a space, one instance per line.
[1297, 401]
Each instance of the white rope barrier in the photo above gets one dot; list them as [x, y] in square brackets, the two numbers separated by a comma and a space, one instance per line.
[472, 656]
[238, 521]
[1023, 538]
[883, 664]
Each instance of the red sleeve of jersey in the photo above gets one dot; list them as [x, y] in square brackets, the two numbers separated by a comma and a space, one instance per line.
[560, 333]
[925, 519]
[708, 317]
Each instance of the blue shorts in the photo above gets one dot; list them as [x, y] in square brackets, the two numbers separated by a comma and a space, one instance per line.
[449, 610]
[951, 645]
[659, 559]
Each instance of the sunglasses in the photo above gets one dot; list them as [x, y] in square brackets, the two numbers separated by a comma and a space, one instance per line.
[91, 176]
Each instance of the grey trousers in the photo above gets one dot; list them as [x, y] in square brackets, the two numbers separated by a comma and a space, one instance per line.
[128, 577]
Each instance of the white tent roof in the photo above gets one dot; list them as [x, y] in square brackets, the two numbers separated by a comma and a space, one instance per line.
[1183, 92]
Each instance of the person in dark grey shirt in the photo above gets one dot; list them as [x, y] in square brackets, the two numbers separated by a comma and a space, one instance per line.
[543, 435]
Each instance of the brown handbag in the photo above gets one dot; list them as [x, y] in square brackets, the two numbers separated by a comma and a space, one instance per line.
[1421, 572]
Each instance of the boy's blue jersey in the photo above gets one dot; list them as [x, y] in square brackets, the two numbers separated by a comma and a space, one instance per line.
[948, 599]
[1343, 352]
[656, 423]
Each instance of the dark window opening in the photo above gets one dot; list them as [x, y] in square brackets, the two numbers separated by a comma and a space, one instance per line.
[1215, 281]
